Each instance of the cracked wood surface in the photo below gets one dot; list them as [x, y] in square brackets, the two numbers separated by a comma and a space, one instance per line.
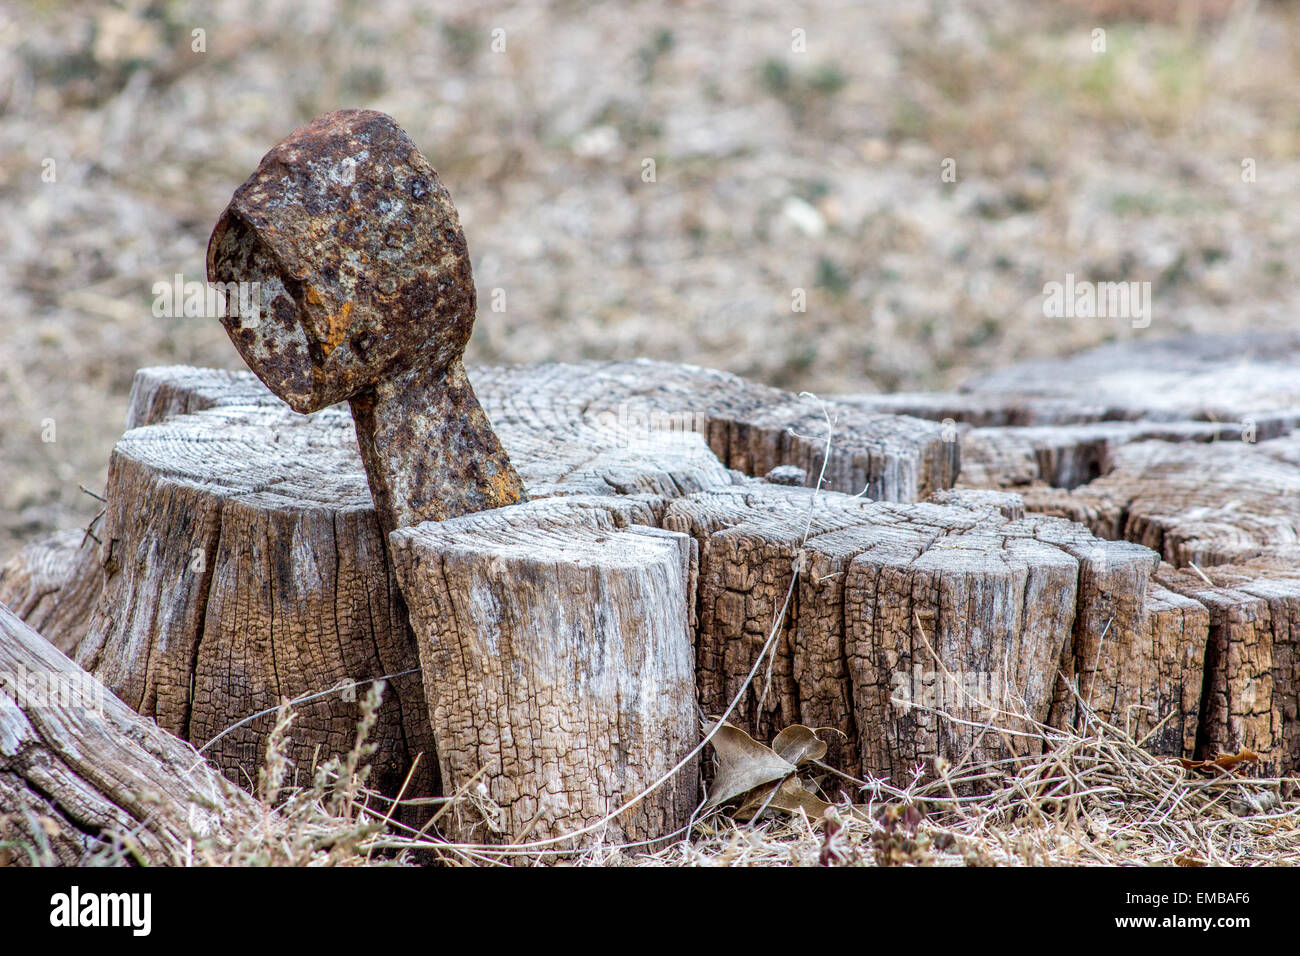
[53, 584]
[242, 563]
[1052, 619]
[1187, 446]
[255, 569]
[78, 774]
[559, 668]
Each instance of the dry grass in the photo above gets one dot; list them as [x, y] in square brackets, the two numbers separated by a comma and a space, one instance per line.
[1093, 797]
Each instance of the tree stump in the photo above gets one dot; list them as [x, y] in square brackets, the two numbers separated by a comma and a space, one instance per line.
[564, 644]
[1225, 518]
[256, 571]
[1186, 446]
[1196, 378]
[558, 662]
[1060, 421]
[902, 610]
[242, 564]
[81, 773]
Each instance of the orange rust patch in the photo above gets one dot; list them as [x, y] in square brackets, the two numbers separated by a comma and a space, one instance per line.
[504, 490]
[338, 329]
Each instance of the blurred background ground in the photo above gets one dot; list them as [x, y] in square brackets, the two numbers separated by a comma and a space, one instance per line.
[775, 170]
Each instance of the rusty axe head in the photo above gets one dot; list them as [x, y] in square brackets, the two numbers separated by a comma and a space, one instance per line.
[366, 294]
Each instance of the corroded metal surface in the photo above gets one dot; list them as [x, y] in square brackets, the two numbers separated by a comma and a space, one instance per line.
[439, 458]
[367, 295]
[361, 256]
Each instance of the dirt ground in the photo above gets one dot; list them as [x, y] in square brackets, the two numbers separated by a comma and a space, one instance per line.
[794, 148]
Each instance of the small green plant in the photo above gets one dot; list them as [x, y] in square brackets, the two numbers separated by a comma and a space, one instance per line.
[831, 276]
[775, 77]
[801, 92]
[827, 79]
[463, 40]
[649, 54]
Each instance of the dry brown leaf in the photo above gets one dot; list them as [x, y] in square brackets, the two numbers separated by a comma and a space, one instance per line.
[789, 795]
[743, 764]
[766, 775]
[799, 744]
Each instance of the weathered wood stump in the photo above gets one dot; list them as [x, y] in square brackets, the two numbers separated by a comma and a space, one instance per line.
[256, 570]
[1186, 446]
[563, 645]
[1226, 519]
[556, 645]
[242, 564]
[83, 774]
[1185, 379]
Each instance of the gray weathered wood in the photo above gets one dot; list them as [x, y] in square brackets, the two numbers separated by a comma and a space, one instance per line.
[1204, 378]
[968, 608]
[1202, 504]
[1252, 684]
[1186, 446]
[558, 661]
[242, 564]
[53, 584]
[1060, 421]
[898, 603]
[81, 773]
[256, 572]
